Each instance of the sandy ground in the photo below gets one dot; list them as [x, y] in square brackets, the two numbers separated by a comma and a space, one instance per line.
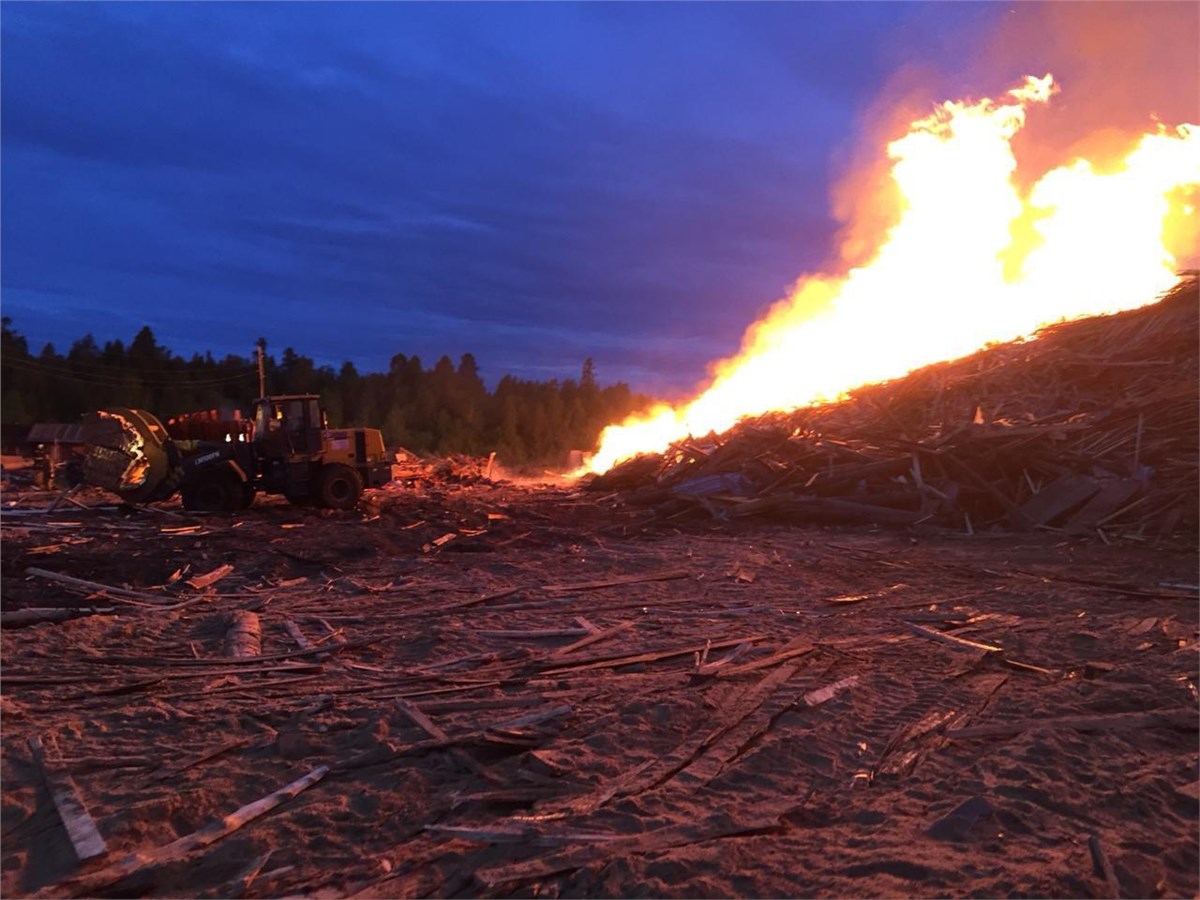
[877, 713]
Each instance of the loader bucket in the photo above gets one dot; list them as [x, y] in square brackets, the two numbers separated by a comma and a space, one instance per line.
[127, 454]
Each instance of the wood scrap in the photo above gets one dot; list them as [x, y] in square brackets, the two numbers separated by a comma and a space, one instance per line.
[617, 662]
[200, 582]
[422, 721]
[795, 647]
[81, 828]
[296, 634]
[949, 639]
[19, 618]
[660, 770]
[93, 882]
[1083, 442]
[668, 837]
[1165, 718]
[593, 638]
[95, 587]
[616, 582]
[1103, 868]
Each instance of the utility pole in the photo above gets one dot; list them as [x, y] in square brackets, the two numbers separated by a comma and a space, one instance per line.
[262, 377]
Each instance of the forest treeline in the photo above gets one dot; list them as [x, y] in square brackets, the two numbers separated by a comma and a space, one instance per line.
[444, 409]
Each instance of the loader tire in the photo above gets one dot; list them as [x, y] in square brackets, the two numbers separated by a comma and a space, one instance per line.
[248, 494]
[338, 487]
[212, 492]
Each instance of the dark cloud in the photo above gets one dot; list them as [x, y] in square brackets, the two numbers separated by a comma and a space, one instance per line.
[533, 183]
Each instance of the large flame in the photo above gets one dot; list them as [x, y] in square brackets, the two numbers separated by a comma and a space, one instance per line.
[969, 262]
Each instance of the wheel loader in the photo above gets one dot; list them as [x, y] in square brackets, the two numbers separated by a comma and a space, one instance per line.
[290, 451]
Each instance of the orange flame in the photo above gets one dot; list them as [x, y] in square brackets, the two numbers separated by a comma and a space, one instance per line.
[969, 262]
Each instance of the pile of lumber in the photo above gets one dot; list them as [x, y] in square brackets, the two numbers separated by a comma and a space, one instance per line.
[1090, 425]
[453, 469]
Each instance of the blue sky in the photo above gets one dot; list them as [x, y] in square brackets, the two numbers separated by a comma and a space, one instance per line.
[533, 183]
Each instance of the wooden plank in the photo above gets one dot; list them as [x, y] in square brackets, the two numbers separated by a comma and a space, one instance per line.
[1056, 498]
[296, 634]
[422, 721]
[616, 582]
[671, 836]
[1111, 497]
[446, 706]
[465, 604]
[658, 771]
[534, 633]
[1164, 718]
[704, 668]
[795, 647]
[517, 834]
[827, 693]
[159, 661]
[534, 718]
[81, 827]
[95, 587]
[589, 640]
[653, 656]
[734, 742]
[1104, 868]
[951, 640]
[859, 598]
[258, 740]
[93, 882]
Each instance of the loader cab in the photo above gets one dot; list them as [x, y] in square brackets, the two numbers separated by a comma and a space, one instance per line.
[289, 425]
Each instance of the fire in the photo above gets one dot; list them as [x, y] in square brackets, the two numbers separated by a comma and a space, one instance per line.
[969, 261]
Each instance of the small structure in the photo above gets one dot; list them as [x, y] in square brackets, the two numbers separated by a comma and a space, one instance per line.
[57, 450]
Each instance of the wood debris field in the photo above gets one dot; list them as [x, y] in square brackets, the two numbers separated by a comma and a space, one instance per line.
[1092, 427]
[469, 687]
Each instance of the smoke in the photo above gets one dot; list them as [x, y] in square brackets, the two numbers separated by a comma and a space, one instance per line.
[1123, 68]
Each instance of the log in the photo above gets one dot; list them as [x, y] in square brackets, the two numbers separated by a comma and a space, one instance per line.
[243, 639]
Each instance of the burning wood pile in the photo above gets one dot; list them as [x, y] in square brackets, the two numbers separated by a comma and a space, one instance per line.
[1092, 426]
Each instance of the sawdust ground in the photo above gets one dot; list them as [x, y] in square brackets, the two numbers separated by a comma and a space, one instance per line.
[869, 793]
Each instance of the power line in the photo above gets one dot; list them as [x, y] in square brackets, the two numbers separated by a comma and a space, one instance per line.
[91, 365]
[145, 379]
